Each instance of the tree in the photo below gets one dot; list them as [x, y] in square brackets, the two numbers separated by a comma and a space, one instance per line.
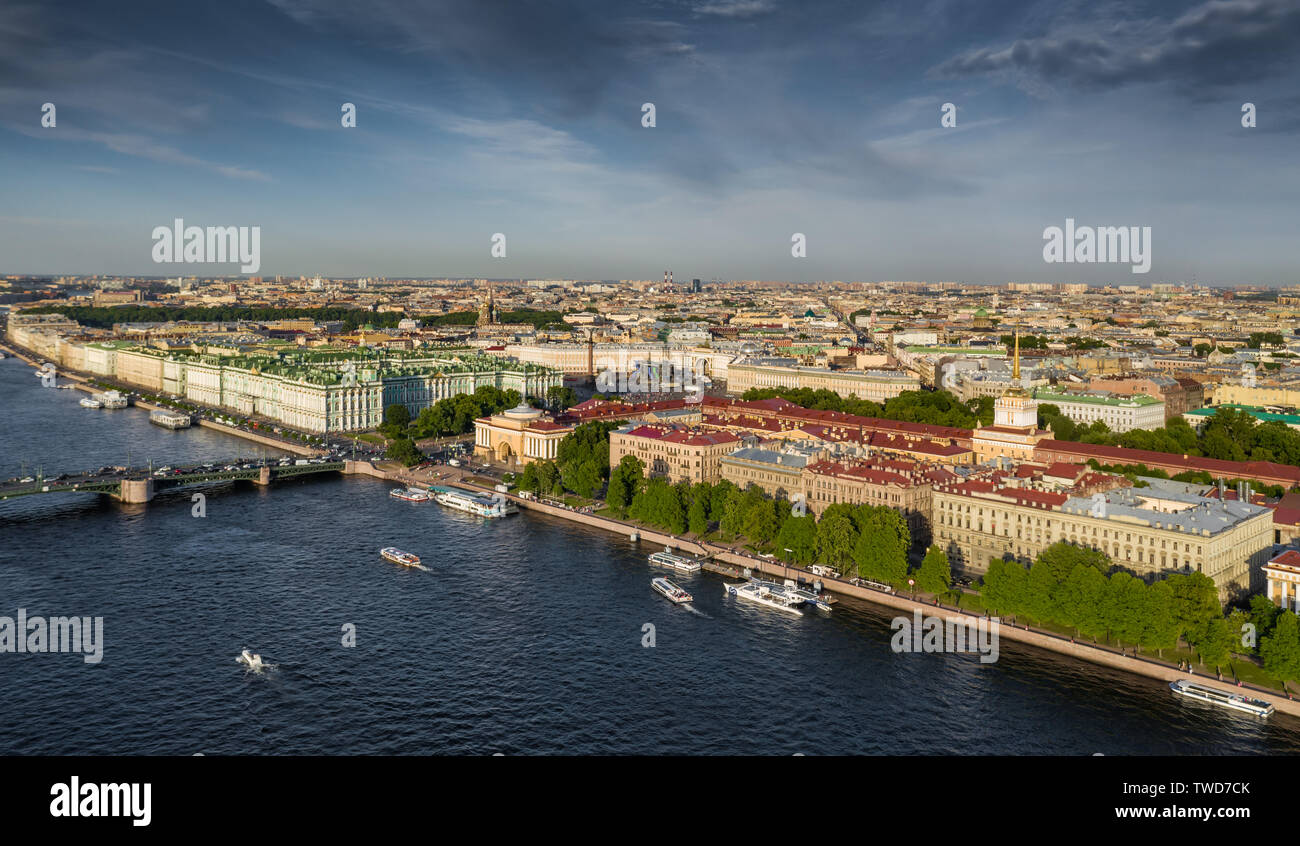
[1281, 649]
[799, 535]
[405, 451]
[1160, 631]
[560, 397]
[396, 416]
[1062, 557]
[697, 518]
[1079, 600]
[934, 575]
[836, 538]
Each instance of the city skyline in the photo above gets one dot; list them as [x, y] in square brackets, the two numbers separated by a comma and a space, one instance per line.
[771, 119]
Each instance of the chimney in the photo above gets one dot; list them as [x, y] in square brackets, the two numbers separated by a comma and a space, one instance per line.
[1223, 486]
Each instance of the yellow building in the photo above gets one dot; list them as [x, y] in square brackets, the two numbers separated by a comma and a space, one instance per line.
[518, 436]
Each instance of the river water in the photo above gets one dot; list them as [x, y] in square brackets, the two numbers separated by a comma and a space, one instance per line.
[521, 636]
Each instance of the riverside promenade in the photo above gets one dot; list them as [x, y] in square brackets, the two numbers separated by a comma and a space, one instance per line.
[1015, 632]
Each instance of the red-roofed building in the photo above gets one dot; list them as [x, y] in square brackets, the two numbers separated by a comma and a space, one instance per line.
[676, 453]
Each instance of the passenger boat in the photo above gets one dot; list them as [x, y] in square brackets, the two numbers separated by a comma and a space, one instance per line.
[170, 419]
[680, 563]
[674, 593]
[767, 593]
[480, 505]
[409, 494]
[822, 601]
[90, 402]
[395, 555]
[111, 399]
[1213, 695]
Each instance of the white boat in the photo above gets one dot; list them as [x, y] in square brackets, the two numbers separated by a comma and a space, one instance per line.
[90, 402]
[1213, 695]
[472, 503]
[766, 593]
[251, 659]
[395, 555]
[111, 399]
[823, 600]
[409, 494]
[170, 419]
[680, 563]
[674, 593]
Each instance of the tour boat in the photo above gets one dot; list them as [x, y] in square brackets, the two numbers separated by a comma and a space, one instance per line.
[766, 593]
[823, 601]
[671, 591]
[680, 563]
[112, 399]
[409, 494]
[1213, 695]
[90, 402]
[406, 559]
[480, 505]
[251, 659]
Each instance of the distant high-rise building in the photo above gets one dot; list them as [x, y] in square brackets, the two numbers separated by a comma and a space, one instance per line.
[696, 286]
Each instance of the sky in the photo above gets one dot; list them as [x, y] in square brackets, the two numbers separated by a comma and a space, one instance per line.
[772, 117]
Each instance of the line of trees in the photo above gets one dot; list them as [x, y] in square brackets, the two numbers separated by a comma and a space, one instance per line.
[939, 408]
[1229, 434]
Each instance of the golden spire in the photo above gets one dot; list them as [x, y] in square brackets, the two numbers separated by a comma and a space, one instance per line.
[1015, 366]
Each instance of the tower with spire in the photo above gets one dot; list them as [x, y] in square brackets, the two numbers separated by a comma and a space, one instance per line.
[1014, 433]
[487, 310]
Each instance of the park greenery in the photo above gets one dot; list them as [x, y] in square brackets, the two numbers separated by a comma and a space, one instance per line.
[1228, 434]
[939, 408]
[1040, 342]
[1078, 588]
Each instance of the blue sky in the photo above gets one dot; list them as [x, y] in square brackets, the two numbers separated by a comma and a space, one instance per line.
[773, 117]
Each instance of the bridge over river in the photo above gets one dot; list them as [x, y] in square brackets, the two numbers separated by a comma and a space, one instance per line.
[139, 484]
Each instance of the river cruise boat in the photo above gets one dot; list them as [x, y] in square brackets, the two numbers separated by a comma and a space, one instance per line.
[409, 494]
[395, 555]
[822, 601]
[111, 399]
[767, 593]
[1213, 695]
[680, 563]
[480, 505]
[170, 419]
[90, 402]
[674, 593]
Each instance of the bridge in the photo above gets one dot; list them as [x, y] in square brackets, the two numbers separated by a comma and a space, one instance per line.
[139, 484]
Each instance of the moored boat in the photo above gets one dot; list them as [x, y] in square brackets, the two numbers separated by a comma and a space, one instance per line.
[395, 555]
[409, 494]
[480, 505]
[1226, 699]
[680, 563]
[766, 593]
[674, 593]
[90, 402]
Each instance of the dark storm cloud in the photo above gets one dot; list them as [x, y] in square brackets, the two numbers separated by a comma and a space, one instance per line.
[568, 53]
[1214, 45]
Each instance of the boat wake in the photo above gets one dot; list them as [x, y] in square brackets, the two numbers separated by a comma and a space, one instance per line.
[690, 607]
[421, 567]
